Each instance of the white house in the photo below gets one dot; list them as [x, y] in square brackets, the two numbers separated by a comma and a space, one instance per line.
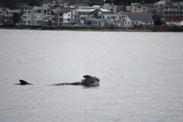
[27, 16]
[68, 17]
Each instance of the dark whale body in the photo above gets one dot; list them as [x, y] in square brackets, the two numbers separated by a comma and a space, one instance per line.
[22, 82]
[88, 81]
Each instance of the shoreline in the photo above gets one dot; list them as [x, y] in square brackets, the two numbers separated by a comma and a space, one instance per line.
[104, 29]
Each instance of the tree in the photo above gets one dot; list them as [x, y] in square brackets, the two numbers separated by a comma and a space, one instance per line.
[128, 2]
[34, 2]
[108, 1]
[16, 17]
[9, 3]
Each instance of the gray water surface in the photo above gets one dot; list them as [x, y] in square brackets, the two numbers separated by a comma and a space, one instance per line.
[141, 76]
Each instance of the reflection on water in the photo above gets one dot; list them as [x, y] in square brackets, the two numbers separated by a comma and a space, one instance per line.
[141, 76]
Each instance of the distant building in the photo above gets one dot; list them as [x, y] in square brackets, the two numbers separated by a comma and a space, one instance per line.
[166, 9]
[53, 1]
[111, 7]
[139, 8]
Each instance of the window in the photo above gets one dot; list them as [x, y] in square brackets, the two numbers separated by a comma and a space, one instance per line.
[68, 14]
[68, 19]
[39, 22]
[37, 11]
[44, 11]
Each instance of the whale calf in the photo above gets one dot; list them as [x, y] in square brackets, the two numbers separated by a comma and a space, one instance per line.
[88, 81]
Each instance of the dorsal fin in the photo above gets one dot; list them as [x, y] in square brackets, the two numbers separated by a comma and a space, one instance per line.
[22, 82]
[87, 76]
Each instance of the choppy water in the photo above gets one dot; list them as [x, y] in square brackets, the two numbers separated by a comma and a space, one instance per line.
[141, 76]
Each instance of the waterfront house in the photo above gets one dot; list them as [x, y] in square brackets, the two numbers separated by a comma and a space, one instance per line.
[141, 19]
[40, 13]
[173, 21]
[7, 16]
[62, 15]
[127, 19]
[35, 15]
[3, 11]
[100, 17]
[68, 16]
[27, 16]
[93, 16]
[81, 13]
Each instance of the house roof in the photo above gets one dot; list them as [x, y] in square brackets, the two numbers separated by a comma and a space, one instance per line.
[141, 17]
[132, 13]
[102, 10]
[173, 19]
[14, 11]
[85, 10]
[64, 11]
[95, 20]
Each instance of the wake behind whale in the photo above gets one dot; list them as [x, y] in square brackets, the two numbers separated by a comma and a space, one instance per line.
[88, 81]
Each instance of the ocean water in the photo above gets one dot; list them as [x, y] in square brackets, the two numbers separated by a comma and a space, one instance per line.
[141, 76]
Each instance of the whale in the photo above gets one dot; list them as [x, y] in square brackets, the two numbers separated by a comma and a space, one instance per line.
[87, 81]
[23, 82]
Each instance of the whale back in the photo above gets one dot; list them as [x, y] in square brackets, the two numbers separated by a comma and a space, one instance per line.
[22, 82]
[89, 80]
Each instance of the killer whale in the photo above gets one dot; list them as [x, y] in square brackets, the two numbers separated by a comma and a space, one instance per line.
[22, 82]
[88, 81]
